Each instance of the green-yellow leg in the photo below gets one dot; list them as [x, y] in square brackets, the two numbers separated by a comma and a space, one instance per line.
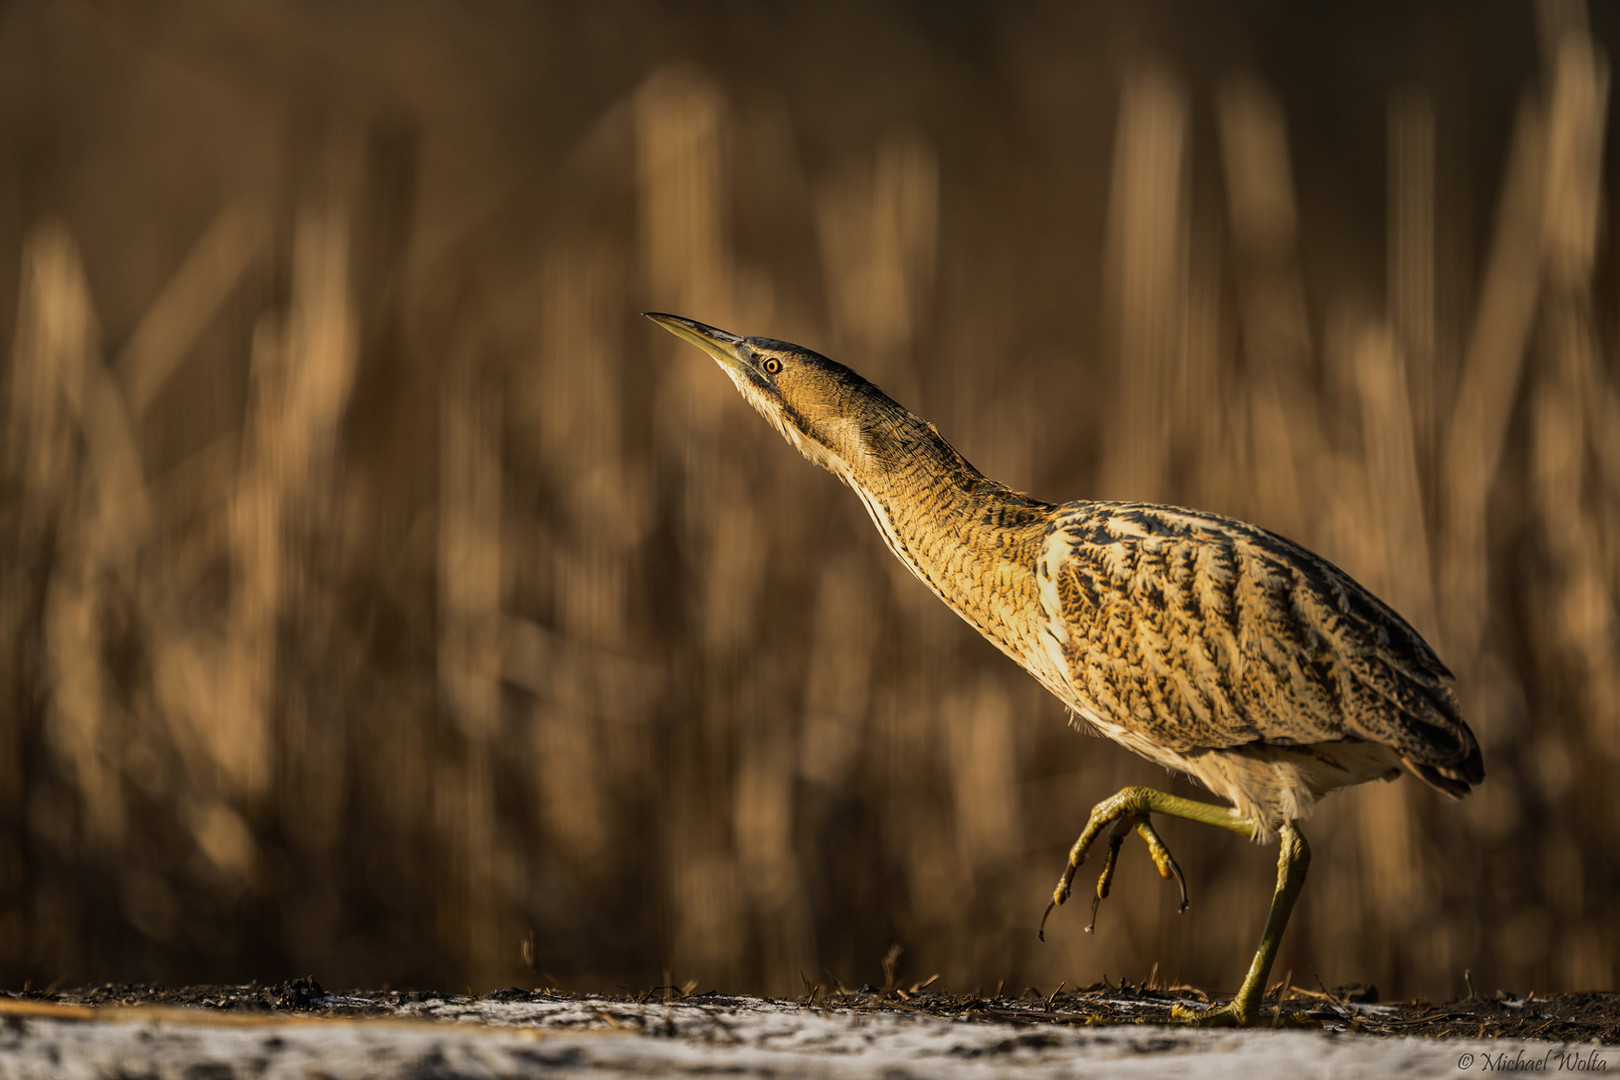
[1131, 808]
[1293, 860]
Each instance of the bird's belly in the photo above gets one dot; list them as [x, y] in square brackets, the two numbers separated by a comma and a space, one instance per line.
[1131, 740]
[1267, 784]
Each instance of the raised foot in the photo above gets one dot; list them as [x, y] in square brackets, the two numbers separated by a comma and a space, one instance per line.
[1119, 814]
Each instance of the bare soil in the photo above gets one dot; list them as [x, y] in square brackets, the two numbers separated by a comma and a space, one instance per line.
[1566, 1018]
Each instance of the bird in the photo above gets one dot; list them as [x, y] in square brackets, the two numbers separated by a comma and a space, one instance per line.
[1210, 646]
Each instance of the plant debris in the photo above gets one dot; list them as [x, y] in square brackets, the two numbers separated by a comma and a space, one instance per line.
[1575, 1017]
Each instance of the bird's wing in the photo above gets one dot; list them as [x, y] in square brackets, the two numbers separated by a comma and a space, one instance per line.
[1198, 632]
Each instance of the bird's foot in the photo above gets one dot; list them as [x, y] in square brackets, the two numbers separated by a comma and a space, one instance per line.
[1237, 1014]
[1130, 808]
[1228, 1015]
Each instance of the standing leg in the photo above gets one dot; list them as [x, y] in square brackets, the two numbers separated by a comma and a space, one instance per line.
[1293, 859]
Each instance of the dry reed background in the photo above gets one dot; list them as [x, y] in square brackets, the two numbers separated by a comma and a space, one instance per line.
[381, 599]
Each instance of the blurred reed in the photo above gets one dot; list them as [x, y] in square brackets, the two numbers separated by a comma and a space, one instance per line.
[480, 655]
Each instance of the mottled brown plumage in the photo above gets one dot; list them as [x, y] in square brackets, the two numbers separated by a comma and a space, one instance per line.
[1225, 651]
[1208, 645]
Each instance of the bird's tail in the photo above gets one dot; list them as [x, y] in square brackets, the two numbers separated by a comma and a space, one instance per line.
[1455, 780]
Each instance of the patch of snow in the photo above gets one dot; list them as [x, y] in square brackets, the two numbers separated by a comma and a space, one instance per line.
[597, 1038]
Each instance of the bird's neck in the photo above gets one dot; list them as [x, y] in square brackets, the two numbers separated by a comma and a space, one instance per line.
[974, 542]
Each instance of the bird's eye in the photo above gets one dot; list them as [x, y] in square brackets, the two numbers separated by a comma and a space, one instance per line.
[772, 365]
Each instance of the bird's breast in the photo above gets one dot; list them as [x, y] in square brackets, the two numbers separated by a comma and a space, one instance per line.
[981, 562]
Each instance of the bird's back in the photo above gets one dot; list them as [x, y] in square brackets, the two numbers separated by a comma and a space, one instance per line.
[1220, 648]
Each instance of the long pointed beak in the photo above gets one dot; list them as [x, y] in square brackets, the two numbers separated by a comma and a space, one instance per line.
[728, 349]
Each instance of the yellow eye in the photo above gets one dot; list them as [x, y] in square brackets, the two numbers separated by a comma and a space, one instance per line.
[772, 365]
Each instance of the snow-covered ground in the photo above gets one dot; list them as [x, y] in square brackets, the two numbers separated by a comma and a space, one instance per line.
[599, 1038]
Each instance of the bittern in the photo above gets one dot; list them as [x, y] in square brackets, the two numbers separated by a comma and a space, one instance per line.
[1205, 644]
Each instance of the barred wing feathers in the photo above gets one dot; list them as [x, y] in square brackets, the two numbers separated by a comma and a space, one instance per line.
[1189, 632]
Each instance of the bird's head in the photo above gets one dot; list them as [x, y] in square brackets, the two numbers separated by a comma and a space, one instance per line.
[829, 413]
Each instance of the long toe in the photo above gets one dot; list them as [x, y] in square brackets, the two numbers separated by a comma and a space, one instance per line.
[1229, 1015]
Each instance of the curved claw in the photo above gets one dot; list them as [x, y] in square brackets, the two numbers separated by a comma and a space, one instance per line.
[1105, 881]
[1077, 858]
[1166, 863]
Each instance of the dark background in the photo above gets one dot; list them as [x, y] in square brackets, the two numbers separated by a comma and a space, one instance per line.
[382, 599]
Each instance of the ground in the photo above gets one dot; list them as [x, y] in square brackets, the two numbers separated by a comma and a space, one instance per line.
[298, 1028]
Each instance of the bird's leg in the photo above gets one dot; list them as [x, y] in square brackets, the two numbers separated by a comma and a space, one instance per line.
[1129, 808]
[1293, 860]
[1132, 806]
